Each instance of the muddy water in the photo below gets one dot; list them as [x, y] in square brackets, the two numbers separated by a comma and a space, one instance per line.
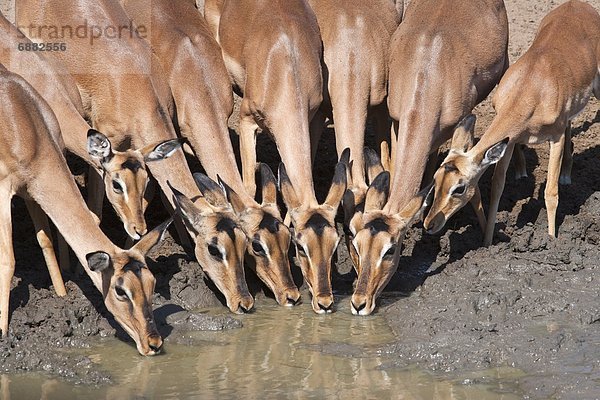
[279, 353]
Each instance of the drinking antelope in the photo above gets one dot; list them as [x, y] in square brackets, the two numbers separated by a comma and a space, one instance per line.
[198, 78]
[272, 51]
[439, 70]
[126, 96]
[60, 91]
[535, 102]
[32, 165]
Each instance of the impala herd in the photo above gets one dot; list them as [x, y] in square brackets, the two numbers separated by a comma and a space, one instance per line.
[131, 107]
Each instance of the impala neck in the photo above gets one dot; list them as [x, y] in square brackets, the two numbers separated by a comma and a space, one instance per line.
[54, 189]
[416, 141]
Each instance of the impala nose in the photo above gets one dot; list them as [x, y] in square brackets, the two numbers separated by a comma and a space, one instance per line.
[359, 307]
[325, 303]
[155, 344]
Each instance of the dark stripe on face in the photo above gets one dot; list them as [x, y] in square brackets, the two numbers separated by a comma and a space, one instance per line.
[132, 164]
[377, 225]
[317, 223]
[227, 225]
[269, 223]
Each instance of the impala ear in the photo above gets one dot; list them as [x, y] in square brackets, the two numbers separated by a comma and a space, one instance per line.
[287, 190]
[373, 164]
[98, 261]
[269, 185]
[152, 238]
[186, 208]
[162, 150]
[211, 190]
[464, 134]
[378, 192]
[415, 207]
[234, 199]
[338, 186]
[349, 205]
[494, 153]
[98, 146]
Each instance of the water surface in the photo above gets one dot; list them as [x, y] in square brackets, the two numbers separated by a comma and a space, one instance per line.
[279, 353]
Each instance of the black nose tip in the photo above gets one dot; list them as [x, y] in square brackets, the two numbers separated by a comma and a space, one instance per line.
[291, 301]
[244, 309]
[154, 348]
[325, 308]
[359, 307]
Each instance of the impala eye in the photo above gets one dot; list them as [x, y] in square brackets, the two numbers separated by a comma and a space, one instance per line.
[258, 248]
[117, 187]
[121, 294]
[459, 190]
[215, 252]
[390, 252]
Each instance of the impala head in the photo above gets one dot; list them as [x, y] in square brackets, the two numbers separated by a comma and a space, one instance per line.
[377, 237]
[457, 178]
[128, 287]
[268, 239]
[220, 241]
[315, 236]
[125, 176]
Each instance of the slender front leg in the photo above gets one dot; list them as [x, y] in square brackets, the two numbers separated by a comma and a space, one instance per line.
[248, 129]
[44, 238]
[520, 162]
[567, 161]
[95, 192]
[7, 258]
[551, 193]
[498, 182]
[478, 208]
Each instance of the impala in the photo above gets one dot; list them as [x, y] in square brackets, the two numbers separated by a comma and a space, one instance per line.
[535, 102]
[198, 78]
[33, 166]
[272, 51]
[439, 71]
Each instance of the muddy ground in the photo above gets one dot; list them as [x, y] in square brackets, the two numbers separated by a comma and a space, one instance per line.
[528, 301]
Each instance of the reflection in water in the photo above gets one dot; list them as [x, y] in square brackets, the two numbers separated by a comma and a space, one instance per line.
[279, 353]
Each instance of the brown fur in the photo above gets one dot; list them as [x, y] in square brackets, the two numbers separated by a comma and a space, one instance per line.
[439, 70]
[535, 102]
[32, 165]
[191, 57]
[272, 51]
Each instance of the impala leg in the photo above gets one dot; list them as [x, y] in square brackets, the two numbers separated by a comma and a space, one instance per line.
[44, 238]
[498, 182]
[520, 162]
[478, 208]
[551, 192]
[7, 258]
[567, 161]
[95, 191]
[248, 129]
